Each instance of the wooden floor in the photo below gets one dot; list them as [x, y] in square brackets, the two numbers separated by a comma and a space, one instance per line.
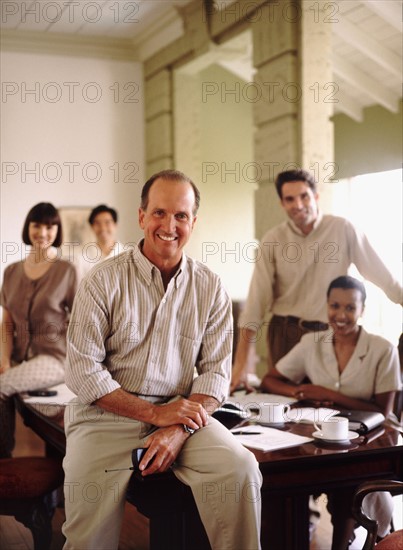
[134, 536]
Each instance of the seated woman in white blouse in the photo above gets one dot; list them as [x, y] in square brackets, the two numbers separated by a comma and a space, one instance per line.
[347, 368]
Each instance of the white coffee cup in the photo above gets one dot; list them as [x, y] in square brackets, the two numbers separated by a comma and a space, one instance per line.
[333, 428]
[273, 413]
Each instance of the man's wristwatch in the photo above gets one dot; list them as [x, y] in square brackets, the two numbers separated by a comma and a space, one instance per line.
[188, 430]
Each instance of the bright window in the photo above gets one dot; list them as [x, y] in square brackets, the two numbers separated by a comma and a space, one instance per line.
[373, 203]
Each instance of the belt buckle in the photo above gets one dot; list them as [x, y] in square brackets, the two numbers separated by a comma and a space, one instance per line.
[308, 325]
[301, 324]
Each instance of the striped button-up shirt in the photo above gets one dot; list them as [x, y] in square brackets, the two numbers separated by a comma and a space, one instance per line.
[126, 331]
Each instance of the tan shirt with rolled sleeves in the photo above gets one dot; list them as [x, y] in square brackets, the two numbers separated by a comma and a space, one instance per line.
[39, 309]
[293, 271]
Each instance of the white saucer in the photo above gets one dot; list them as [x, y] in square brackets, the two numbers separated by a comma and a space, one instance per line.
[351, 436]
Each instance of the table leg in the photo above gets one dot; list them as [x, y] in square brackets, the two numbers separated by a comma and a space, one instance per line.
[285, 522]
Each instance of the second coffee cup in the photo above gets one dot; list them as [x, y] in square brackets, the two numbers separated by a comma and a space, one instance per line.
[334, 428]
[273, 413]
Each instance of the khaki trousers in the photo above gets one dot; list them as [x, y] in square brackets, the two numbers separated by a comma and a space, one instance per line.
[224, 477]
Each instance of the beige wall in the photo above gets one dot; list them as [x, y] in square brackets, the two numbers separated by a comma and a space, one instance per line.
[214, 143]
[90, 125]
[74, 117]
[373, 145]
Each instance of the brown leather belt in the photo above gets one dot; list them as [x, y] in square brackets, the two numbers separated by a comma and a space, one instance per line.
[306, 325]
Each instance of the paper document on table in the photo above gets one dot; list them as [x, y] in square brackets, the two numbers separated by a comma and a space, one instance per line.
[309, 415]
[267, 439]
[63, 396]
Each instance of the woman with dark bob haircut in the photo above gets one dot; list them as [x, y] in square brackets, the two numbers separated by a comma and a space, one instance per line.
[36, 297]
[349, 368]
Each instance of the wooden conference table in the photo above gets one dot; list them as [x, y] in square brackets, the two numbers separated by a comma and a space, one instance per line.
[289, 476]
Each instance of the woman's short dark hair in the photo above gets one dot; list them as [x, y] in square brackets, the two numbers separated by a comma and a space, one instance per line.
[294, 175]
[102, 208]
[46, 213]
[172, 175]
[347, 282]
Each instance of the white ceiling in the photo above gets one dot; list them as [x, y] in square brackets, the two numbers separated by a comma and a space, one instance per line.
[367, 54]
[112, 18]
[367, 39]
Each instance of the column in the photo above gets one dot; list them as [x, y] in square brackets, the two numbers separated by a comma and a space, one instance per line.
[292, 55]
[158, 115]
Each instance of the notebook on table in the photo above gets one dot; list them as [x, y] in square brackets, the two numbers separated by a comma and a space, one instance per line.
[248, 405]
[363, 421]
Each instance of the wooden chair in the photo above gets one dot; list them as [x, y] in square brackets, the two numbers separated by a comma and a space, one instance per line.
[394, 540]
[398, 405]
[27, 486]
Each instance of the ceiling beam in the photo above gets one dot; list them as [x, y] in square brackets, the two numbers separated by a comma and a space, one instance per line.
[370, 47]
[155, 35]
[214, 54]
[349, 106]
[362, 81]
[233, 14]
[390, 11]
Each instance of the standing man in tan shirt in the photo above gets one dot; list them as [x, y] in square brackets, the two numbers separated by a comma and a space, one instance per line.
[298, 260]
[140, 325]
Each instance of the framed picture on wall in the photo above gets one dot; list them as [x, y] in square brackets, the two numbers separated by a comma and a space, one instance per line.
[76, 229]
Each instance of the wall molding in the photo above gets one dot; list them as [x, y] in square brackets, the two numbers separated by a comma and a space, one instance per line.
[71, 45]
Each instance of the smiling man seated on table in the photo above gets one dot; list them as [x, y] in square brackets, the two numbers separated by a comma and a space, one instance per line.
[138, 328]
